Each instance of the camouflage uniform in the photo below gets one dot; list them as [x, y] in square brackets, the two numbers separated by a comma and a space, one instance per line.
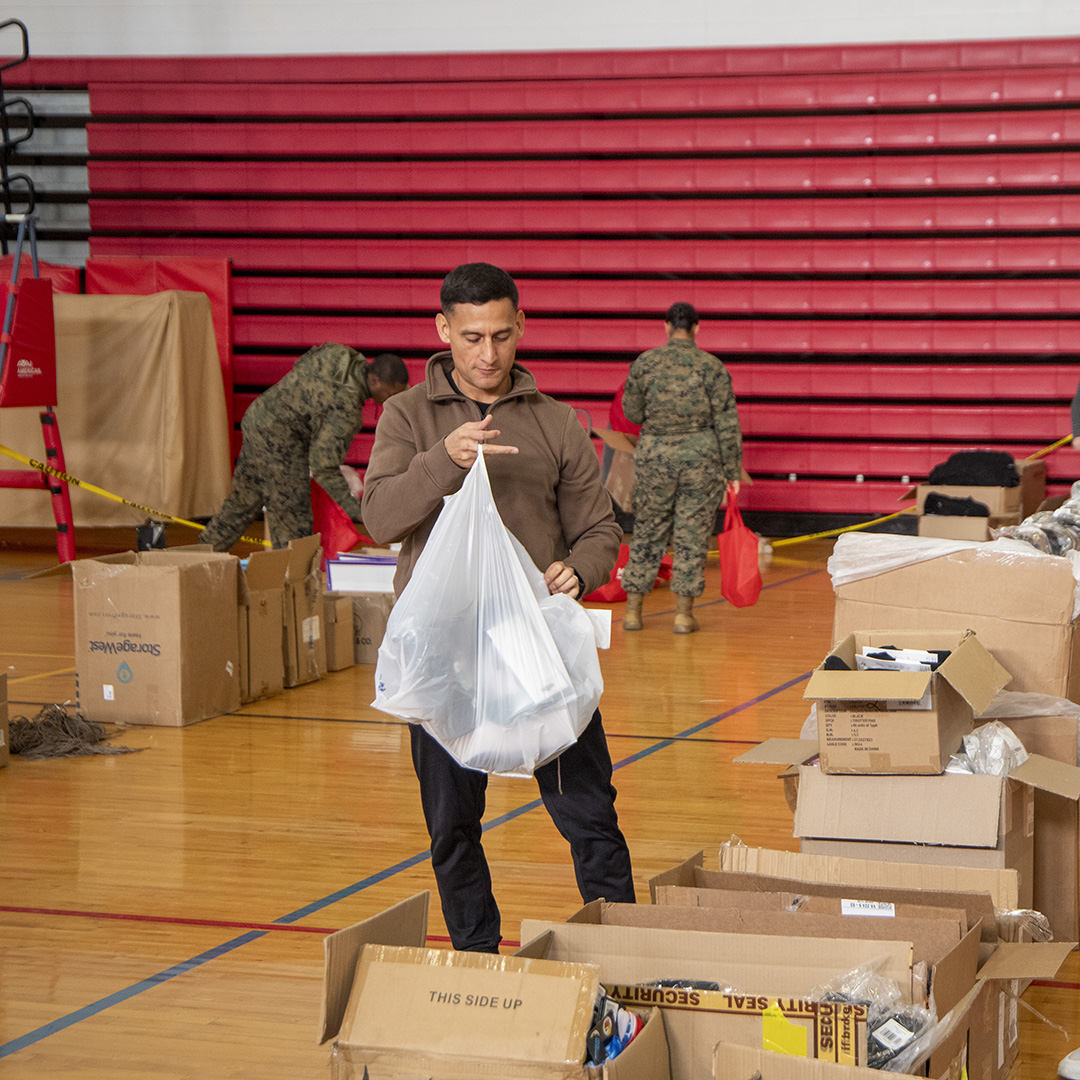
[690, 446]
[301, 427]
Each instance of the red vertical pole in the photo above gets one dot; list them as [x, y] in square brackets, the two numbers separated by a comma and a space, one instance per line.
[58, 489]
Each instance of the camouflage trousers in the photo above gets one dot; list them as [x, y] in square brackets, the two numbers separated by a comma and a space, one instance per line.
[678, 483]
[268, 474]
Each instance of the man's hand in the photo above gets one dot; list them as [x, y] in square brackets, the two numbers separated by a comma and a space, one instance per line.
[462, 442]
[561, 578]
[352, 478]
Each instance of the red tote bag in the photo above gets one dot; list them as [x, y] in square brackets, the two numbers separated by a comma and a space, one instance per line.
[740, 576]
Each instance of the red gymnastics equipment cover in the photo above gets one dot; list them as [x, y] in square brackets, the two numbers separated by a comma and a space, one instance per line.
[29, 376]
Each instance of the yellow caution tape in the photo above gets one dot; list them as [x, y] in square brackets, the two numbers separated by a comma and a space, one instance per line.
[907, 510]
[75, 482]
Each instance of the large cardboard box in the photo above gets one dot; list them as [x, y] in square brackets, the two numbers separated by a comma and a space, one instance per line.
[769, 981]
[262, 613]
[157, 637]
[732, 1062]
[1056, 884]
[989, 1031]
[338, 623]
[1019, 603]
[5, 732]
[370, 612]
[942, 952]
[304, 646]
[397, 1009]
[901, 721]
[950, 820]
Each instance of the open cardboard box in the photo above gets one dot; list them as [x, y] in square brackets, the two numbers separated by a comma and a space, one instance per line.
[1056, 882]
[397, 1009]
[773, 978]
[901, 721]
[990, 1029]
[304, 643]
[1019, 603]
[1018, 501]
[950, 820]
[338, 625]
[262, 613]
[731, 1062]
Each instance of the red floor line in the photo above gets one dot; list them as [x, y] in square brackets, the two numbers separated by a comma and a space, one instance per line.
[1055, 984]
[178, 921]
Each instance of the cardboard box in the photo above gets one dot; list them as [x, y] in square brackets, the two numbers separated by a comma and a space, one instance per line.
[954, 527]
[5, 731]
[1019, 604]
[1018, 501]
[999, 501]
[731, 1062]
[304, 644]
[882, 722]
[774, 976]
[156, 637]
[400, 1010]
[690, 883]
[338, 622]
[1003, 886]
[1056, 882]
[987, 1032]
[369, 612]
[949, 820]
[262, 613]
[941, 948]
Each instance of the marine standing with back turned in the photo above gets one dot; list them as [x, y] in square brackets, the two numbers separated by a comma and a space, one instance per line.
[690, 449]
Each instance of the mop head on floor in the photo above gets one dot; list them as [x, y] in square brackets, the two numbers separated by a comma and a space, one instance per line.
[56, 733]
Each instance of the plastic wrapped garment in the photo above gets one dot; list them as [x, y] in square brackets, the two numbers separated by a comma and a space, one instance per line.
[502, 675]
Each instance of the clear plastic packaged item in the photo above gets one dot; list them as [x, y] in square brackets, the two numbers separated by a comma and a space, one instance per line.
[896, 1032]
[991, 749]
[504, 676]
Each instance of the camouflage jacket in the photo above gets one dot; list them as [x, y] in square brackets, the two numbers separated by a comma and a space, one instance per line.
[316, 409]
[678, 389]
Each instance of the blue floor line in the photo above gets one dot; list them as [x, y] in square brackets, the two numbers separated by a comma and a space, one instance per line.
[23, 1041]
[104, 1003]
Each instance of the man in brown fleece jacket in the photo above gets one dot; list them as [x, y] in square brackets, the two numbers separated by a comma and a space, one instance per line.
[545, 478]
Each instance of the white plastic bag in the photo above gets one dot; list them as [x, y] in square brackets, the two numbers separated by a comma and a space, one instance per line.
[504, 676]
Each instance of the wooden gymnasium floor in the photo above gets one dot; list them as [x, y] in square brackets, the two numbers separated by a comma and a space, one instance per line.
[162, 913]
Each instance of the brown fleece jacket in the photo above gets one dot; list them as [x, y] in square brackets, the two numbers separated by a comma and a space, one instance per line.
[548, 494]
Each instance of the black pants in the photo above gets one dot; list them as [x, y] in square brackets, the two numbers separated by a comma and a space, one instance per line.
[578, 794]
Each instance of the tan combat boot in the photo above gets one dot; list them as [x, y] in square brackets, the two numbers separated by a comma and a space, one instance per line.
[685, 623]
[632, 617]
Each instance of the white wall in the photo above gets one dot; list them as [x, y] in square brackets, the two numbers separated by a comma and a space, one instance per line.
[202, 27]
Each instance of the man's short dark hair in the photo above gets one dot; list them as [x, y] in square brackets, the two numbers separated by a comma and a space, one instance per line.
[391, 369]
[476, 283]
[682, 316]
